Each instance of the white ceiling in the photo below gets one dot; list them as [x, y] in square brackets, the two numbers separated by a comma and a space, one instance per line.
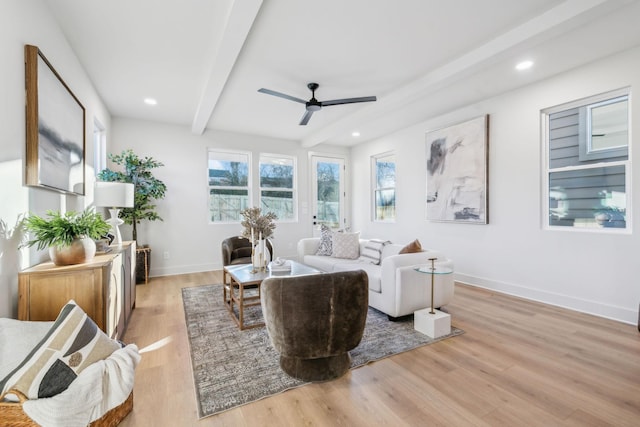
[205, 60]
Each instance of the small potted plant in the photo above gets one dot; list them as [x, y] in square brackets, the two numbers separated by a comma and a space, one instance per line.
[69, 237]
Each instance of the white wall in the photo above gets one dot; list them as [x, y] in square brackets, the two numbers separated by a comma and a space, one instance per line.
[193, 244]
[29, 22]
[595, 273]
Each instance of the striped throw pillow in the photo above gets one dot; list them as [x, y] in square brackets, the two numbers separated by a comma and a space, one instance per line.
[372, 251]
[73, 343]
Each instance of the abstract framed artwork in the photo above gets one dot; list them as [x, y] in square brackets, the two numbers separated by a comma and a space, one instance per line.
[457, 172]
[55, 126]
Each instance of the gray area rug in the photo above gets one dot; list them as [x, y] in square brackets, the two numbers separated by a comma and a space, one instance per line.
[233, 367]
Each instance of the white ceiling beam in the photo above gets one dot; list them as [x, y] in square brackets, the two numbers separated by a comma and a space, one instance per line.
[238, 25]
[548, 21]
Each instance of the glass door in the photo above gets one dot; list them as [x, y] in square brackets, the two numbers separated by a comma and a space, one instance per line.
[327, 192]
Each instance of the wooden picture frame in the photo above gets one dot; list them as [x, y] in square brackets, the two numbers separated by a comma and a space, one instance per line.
[458, 172]
[55, 128]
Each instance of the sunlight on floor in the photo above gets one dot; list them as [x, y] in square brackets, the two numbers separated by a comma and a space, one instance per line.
[156, 345]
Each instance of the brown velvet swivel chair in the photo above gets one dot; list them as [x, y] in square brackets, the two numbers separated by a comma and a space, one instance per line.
[313, 321]
[237, 250]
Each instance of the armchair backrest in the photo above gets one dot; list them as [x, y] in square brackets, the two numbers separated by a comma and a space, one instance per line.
[317, 315]
[239, 247]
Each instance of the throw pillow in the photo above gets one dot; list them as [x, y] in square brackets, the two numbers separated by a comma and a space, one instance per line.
[73, 343]
[345, 245]
[412, 247]
[372, 251]
[325, 241]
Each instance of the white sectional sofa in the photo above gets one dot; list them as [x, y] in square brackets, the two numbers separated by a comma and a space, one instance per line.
[395, 288]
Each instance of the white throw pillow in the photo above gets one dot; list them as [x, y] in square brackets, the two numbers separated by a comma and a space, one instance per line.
[372, 251]
[345, 245]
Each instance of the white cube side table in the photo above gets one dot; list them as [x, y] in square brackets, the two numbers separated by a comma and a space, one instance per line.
[434, 325]
[431, 322]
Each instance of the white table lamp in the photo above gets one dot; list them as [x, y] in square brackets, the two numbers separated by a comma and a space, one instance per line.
[114, 195]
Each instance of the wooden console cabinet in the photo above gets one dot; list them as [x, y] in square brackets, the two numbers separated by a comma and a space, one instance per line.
[103, 287]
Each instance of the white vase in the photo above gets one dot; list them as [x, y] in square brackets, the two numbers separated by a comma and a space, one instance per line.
[82, 249]
[259, 254]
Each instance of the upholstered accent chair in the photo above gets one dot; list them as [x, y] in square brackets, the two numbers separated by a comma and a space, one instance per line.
[313, 321]
[237, 250]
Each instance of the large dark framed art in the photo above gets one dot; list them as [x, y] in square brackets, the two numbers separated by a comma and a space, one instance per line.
[55, 126]
[457, 172]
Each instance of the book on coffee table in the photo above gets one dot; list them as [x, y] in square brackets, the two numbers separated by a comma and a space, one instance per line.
[279, 265]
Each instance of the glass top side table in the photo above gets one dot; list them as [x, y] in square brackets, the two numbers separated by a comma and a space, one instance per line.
[433, 270]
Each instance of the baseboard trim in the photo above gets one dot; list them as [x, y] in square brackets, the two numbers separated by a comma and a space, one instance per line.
[183, 269]
[607, 311]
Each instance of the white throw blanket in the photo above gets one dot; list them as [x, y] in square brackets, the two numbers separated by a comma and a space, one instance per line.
[98, 389]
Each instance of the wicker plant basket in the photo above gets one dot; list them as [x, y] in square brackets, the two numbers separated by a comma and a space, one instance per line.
[12, 415]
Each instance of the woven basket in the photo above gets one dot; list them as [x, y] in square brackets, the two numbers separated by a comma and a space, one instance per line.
[12, 415]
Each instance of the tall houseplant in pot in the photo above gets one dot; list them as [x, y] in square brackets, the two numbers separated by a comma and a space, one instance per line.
[69, 237]
[147, 189]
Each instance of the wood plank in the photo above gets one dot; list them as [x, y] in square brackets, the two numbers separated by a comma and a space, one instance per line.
[519, 363]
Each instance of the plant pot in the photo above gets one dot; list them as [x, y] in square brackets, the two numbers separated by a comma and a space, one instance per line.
[143, 264]
[81, 250]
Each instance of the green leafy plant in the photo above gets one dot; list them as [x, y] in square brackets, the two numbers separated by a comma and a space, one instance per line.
[60, 230]
[253, 219]
[147, 188]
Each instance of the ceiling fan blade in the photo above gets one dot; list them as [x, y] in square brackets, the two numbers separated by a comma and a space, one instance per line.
[306, 117]
[282, 95]
[348, 100]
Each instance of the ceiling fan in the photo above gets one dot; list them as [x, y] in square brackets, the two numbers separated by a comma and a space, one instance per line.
[313, 104]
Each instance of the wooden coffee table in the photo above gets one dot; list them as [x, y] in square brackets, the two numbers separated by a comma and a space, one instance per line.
[241, 278]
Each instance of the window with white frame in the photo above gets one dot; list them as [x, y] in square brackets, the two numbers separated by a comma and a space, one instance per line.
[588, 163]
[384, 187]
[277, 186]
[229, 190]
[99, 147]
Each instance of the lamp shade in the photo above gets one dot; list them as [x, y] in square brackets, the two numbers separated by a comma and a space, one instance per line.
[113, 194]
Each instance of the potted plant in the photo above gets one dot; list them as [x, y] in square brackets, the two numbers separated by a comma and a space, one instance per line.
[69, 237]
[147, 189]
[260, 225]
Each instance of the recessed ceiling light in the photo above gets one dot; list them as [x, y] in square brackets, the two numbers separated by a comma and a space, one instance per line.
[524, 65]
[355, 134]
[150, 101]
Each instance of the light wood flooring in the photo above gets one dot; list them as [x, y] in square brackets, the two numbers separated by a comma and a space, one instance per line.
[520, 363]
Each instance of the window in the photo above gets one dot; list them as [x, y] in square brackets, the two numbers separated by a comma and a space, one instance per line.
[607, 121]
[384, 187]
[99, 148]
[588, 163]
[277, 186]
[229, 177]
